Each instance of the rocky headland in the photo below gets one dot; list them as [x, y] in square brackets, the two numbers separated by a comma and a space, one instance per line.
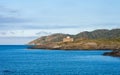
[96, 40]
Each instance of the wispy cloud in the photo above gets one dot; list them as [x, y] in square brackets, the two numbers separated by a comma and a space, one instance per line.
[4, 19]
[50, 26]
[7, 10]
[9, 15]
[21, 25]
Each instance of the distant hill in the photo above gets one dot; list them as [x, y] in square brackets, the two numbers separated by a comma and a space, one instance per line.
[96, 34]
[51, 38]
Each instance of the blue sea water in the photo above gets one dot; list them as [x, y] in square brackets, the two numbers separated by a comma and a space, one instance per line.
[18, 60]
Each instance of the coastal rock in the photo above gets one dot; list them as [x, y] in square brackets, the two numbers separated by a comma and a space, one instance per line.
[113, 53]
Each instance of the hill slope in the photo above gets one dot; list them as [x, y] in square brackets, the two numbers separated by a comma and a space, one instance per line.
[97, 39]
[101, 33]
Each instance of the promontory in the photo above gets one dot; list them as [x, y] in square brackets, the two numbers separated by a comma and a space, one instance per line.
[101, 39]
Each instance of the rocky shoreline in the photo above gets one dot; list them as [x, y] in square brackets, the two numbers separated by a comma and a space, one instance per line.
[94, 40]
[85, 46]
[79, 45]
[115, 53]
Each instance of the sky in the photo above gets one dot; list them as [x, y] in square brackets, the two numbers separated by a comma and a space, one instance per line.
[29, 19]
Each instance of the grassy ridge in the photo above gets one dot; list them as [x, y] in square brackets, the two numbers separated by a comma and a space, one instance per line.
[97, 39]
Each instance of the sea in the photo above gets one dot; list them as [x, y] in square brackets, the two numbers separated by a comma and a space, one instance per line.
[18, 60]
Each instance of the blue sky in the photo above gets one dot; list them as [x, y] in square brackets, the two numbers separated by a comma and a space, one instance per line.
[26, 18]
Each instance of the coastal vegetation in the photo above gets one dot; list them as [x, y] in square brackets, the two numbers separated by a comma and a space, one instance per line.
[95, 40]
[98, 39]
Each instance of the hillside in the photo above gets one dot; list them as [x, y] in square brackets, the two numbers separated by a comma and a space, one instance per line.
[97, 39]
[51, 38]
[101, 33]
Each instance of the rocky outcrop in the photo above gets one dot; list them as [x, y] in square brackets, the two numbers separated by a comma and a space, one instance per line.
[113, 53]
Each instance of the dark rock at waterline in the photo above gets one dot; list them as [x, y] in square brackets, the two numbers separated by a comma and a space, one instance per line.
[113, 53]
